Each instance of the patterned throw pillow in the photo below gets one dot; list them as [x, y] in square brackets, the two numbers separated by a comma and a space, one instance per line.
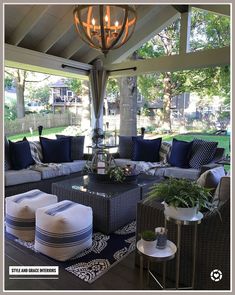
[164, 151]
[202, 153]
[36, 151]
[126, 146]
[7, 162]
[77, 146]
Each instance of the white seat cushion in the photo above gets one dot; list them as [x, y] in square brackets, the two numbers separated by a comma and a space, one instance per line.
[20, 212]
[75, 166]
[14, 177]
[63, 229]
[51, 171]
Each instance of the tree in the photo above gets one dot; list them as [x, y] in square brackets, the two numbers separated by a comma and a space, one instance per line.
[75, 85]
[208, 31]
[42, 93]
[19, 78]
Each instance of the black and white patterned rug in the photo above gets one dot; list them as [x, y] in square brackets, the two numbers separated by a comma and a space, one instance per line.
[106, 251]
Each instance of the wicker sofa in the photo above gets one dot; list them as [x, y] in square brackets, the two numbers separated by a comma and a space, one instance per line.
[213, 242]
[160, 169]
[38, 177]
[19, 181]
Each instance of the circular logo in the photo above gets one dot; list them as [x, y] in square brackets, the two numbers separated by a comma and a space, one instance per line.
[216, 275]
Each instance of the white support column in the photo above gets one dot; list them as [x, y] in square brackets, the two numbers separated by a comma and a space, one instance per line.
[185, 27]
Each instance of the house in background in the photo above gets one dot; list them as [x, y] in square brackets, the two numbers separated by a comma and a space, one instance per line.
[62, 98]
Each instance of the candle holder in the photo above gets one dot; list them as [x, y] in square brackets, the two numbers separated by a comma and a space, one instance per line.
[161, 233]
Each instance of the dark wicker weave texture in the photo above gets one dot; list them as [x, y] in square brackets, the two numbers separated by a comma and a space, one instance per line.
[213, 246]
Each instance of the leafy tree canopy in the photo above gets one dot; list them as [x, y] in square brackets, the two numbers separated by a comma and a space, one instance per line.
[75, 85]
[207, 31]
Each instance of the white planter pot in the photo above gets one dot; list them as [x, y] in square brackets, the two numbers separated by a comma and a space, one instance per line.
[149, 245]
[180, 213]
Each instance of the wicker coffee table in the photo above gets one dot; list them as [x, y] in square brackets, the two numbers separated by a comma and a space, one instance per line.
[114, 205]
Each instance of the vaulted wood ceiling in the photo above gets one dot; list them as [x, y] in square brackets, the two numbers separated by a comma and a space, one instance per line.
[49, 30]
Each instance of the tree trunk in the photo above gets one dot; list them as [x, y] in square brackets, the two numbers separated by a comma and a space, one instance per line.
[167, 95]
[20, 86]
[86, 112]
[128, 104]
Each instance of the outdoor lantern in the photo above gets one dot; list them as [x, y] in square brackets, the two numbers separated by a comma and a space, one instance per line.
[105, 27]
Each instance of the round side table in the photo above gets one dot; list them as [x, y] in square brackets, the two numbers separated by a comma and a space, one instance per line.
[179, 222]
[155, 255]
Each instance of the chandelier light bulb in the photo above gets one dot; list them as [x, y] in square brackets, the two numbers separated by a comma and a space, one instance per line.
[116, 24]
[106, 18]
[93, 21]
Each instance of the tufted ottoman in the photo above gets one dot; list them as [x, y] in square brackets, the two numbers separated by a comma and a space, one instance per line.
[63, 229]
[20, 212]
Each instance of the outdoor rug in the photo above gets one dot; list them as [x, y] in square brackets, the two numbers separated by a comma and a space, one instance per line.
[92, 263]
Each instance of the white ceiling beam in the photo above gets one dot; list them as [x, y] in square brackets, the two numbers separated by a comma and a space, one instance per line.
[59, 30]
[28, 22]
[186, 61]
[71, 49]
[223, 9]
[185, 28]
[31, 60]
[155, 24]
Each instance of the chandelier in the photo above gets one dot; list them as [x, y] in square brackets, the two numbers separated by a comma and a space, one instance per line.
[105, 27]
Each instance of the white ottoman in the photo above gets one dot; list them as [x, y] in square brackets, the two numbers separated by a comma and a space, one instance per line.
[20, 212]
[63, 229]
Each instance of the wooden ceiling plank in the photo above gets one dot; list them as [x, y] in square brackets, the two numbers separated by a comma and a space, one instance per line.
[59, 30]
[186, 61]
[71, 49]
[90, 56]
[223, 9]
[28, 22]
[154, 25]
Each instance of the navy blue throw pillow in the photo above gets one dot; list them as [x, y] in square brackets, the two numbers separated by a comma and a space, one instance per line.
[56, 150]
[20, 154]
[146, 149]
[180, 153]
[126, 146]
[77, 146]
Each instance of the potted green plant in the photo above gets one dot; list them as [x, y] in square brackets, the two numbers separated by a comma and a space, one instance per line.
[149, 239]
[182, 198]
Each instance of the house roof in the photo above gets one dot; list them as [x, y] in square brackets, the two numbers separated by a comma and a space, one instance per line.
[59, 84]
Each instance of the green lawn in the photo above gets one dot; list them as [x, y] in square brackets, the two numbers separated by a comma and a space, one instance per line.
[50, 131]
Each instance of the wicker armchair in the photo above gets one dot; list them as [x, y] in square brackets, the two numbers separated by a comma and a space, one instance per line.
[213, 243]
